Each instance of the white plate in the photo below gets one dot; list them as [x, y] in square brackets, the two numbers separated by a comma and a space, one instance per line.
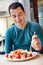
[34, 54]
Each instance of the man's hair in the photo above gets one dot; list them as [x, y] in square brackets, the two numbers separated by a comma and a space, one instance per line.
[15, 5]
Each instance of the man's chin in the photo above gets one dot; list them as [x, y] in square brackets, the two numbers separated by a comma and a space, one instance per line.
[18, 24]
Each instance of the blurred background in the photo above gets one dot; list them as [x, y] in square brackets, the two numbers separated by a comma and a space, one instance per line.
[34, 12]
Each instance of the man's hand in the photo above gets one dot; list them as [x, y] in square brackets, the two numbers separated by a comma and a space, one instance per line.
[35, 43]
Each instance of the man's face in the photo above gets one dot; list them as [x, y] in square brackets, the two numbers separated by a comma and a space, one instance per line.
[18, 16]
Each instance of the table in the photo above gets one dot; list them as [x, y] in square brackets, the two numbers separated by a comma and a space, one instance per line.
[38, 60]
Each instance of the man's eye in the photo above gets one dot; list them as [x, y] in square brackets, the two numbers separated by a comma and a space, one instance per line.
[14, 16]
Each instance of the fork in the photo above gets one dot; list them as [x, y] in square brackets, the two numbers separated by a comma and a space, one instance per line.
[30, 45]
[30, 48]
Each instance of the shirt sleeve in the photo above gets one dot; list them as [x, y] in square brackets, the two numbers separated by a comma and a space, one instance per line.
[39, 33]
[8, 42]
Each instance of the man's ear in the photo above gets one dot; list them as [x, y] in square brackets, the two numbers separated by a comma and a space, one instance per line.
[25, 13]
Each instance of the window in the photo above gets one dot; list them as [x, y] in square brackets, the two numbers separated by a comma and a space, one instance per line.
[3, 26]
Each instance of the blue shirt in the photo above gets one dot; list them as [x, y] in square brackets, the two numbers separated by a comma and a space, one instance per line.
[16, 38]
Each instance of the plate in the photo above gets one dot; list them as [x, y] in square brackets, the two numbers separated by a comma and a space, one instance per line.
[34, 54]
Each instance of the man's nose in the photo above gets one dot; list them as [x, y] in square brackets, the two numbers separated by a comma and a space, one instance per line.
[17, 18]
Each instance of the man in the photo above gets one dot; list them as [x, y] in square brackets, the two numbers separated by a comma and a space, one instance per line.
[21, 35]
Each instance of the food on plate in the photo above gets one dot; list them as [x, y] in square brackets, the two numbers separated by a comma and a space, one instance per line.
[20, 54]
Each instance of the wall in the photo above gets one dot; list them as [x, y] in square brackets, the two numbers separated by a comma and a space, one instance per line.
[26, 4]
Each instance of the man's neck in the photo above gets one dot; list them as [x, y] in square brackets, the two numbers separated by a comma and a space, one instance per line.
[23, 25]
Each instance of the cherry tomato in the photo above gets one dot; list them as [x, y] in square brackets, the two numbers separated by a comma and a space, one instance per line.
[30, 54]
[11, 56]
[17, 56]
[6, 55]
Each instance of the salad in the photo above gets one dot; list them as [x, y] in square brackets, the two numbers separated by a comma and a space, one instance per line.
[20, 54]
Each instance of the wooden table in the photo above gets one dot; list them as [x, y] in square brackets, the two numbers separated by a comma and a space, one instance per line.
[38, 60]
